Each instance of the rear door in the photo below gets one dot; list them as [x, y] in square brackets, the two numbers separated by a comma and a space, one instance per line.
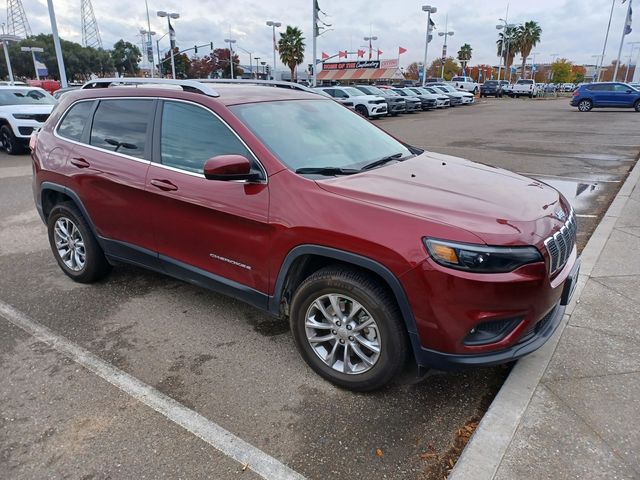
[108, 166]
[206, 226]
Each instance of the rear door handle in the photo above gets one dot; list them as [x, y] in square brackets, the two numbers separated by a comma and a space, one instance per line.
[165, 185]
[80, 162]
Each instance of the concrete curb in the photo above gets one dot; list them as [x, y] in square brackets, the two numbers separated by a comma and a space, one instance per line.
[484, 452]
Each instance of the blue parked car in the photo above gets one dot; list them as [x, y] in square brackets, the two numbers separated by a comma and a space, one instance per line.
[606, 94]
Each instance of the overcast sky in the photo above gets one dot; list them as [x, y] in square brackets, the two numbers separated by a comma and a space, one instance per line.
[574, 29]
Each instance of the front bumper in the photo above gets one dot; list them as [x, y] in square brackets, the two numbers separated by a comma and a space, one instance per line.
[24, 128]
[378, 109]
[396, 107]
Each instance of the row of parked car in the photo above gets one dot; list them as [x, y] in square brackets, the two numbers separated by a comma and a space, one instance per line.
[375, 101]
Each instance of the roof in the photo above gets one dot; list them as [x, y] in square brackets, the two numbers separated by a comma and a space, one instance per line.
[361, 74]
[228, 94]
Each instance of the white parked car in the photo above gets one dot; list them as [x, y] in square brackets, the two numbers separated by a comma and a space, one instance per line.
[23, 109]
[457, 97]
[467, 84]
[528, 88]
[441, 99]
[370, 106]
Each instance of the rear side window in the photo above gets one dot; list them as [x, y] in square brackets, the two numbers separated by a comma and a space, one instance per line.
[191, 135]
[601, 88]
[73, 123]
[121, 126]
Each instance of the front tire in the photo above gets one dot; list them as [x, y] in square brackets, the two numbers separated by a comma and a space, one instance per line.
[585, 105]
[74, 246]
[636, 106]
[348, 328]
[9, 141]
[362, 110]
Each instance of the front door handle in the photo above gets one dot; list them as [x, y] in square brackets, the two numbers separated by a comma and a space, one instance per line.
[80, 162]
[165, 185]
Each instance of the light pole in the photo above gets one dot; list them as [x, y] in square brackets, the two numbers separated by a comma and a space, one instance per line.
[56, 44]
[275, 25]
[445, 34]
[370, 39]
[160, 62]
[596, 77]
[633, 47]
[149, 44]
[172, 37]
[553, 60]
[508, 28]
[429, 9]
[5, 39]
[230, 41]
[33, 51]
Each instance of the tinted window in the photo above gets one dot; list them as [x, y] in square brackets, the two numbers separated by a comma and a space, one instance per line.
[619, 87]
[74, 121]
[601, 87]
[191, 135]
[457, 79]
[121, 126]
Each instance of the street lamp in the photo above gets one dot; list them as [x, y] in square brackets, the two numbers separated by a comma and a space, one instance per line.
[429, 9]
[257, 59]
[508, 27]
[172, 37]
[369, 39]
[275, 25]
[33, 51]
[230, 41]
[6, 39]
[149, 45]
[446, 34]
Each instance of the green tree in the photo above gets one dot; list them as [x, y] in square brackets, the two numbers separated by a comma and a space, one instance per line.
[561, 71]
[528, 37]
[181, 61]
[508, 46]
[291, 48]
[451, 68]
[464, 54]
[126, 57]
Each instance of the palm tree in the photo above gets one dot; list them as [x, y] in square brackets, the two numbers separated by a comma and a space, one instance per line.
[464, 54]
[291, 48]
[508, 46]
[528, 37]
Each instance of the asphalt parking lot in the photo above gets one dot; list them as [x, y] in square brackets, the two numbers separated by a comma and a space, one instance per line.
[235, 366]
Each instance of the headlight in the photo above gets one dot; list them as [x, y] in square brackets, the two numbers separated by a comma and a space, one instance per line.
[480, 258]
[24, 116]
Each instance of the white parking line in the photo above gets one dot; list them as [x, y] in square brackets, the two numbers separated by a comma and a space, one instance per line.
[216, 436]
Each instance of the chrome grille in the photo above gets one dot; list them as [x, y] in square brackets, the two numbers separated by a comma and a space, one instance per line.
[560, 244]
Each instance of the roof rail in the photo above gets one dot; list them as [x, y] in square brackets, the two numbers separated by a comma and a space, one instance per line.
[194, 86]
[250, 81]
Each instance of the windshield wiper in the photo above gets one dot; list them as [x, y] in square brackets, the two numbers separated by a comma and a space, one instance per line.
[387, 159]
[328, 171]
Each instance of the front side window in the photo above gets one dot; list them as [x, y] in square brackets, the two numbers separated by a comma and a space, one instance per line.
[121, 126]
[191, 135]
[74, 121]
[621, 88]
[319, 134]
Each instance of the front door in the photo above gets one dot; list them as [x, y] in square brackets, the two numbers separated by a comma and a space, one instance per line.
[206, 226]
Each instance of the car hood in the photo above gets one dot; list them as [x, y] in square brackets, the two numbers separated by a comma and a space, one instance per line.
[498, 206]
[35, 109]
[367, 97]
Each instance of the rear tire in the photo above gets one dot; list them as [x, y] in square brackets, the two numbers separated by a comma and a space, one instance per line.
[313, 306]
[74, 246]
[585, 105]
[9, 141]
[362, 110]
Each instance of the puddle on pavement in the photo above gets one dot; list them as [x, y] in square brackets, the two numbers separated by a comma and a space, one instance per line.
[581, 195]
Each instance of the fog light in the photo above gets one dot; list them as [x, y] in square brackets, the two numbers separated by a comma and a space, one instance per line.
[491, 331]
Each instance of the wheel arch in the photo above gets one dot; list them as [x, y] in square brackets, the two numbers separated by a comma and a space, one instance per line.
[52, 194]
[303, 260]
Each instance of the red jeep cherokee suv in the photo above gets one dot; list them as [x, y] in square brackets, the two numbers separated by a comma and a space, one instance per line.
[376, 251]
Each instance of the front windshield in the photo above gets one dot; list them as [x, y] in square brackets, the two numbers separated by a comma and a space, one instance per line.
[447, 88]
[24, 96]
[400, 92]
[353, 92]
[431, 90]
[319, 133]
[388, 91]
[375, 91]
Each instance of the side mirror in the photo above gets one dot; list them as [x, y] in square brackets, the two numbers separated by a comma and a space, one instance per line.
[229, 167]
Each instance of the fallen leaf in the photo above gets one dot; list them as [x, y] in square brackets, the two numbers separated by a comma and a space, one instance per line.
[428, 456]
[379, 452]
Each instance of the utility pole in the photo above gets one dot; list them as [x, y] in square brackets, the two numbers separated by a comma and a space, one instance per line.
[429, 9]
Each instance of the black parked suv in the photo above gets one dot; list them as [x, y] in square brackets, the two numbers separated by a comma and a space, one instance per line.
[395, 103]
[493, 88]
